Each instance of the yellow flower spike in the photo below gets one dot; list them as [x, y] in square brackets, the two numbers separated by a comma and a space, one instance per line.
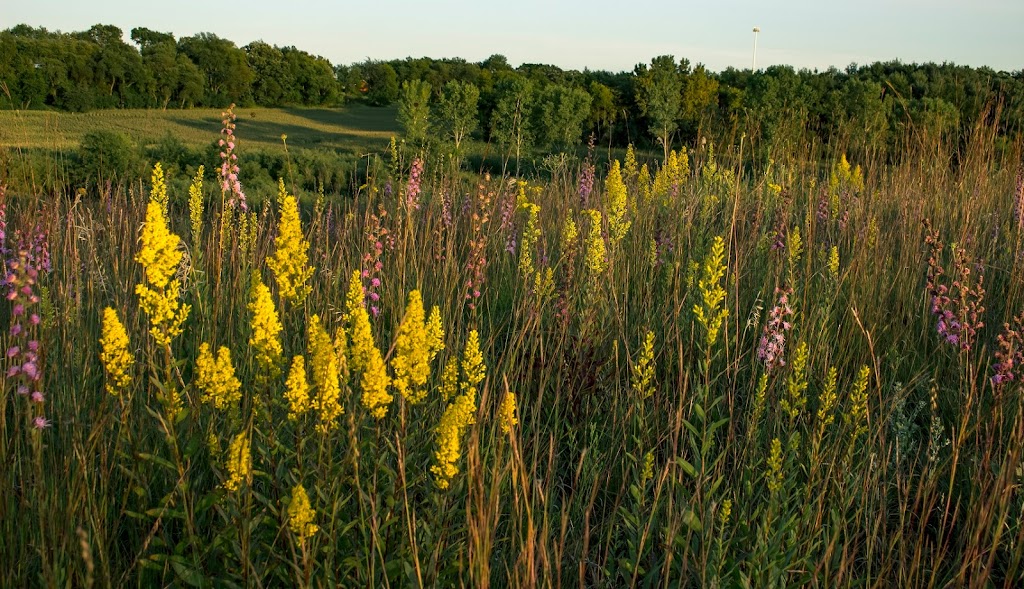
[597, 261]
[297, 389]
[507, 413]
[239, 463]
[857, 414]
[773, 475]
[473, 368]
[435, 333]
[290, 263]
[827, 402]
[375, 384]
[796, 398]
[643, 371]
[711, 312]
[411, 362]
[457, 417]
[618, 225]
[266, 330]
[195, 207]
[324, 361]
[158, 297]
[643, 184]
[216, 378]
[531, 233]
[301, 514]
[450, 379]
[116, 358]
[159, 192]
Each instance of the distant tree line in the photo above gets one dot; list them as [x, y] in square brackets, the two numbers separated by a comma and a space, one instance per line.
[662, 103]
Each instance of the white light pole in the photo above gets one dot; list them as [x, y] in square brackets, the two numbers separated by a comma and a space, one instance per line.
[753, 60]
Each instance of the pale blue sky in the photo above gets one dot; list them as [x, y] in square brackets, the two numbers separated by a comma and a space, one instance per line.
[598, 34]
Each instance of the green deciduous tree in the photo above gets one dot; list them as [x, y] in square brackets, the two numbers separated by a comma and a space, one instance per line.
[510, 122]
[414, 111]
[561, 112]
[456, 111]
[659, 96]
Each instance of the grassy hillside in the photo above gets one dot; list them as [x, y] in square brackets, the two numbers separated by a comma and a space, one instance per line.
[352, 129]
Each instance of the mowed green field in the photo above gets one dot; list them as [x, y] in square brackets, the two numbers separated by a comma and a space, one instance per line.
[352, 129]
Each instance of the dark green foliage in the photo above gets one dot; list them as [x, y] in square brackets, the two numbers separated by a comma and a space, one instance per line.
[107, 156]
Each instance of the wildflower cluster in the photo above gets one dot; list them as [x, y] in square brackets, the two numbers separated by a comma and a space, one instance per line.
[642, 380]
[412, 188]
[711, 311]
[290, 263]
[618, 224]
[159, 191]
[297, 389]
[796, 389]
[115, 356]
[416, 344]
[772, 347]
[31, 259]
[301, 514]
[324, 364]
[239, 463]
[216, 378]
[266, 329]
[158, 297]
[476, 264]
[959, 305]
[195, 208]
[507, 413]
[1009, 356]
[376, 234]
[229, 182]
[460, 414]
[773, 475]
[597, 253]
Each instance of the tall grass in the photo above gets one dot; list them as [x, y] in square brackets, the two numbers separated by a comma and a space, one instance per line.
[864, 449]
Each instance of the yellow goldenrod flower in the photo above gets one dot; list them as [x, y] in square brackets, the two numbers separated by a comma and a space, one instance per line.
[827, 402]
[435, 333]
[596, 260]
[324, 364]
[856, 417]
[473, 368]
[618, 225]
[531, 233]
[648, 471]
[239, 463]
[216, 378]
[290, 263]
[794, 247]
[643, 184]
[354, 298]
[795, 399]
[643, 370]
[457, 417]
[711, 312]
[159, 192]
[773, 476]
[361, 339]
[762, 388]
[725, 513]
[629, 166]
[411, 362]
[450, 379]
[833, 263]
[375, 384]
[341, 353]
[159, 257]
[195, 208]
[301, 514]
[266, 329]
[116, 358]
[297, 389]
[507, 412]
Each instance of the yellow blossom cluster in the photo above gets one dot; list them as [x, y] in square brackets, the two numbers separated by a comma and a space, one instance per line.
[297, 389]
[195, 208]
[216, 378]
[711, 311]
[324, 364]
[266, 329]
[460, 414]
[618, 224]
[411, 362]
[158, 297]
[159, 192]
[117, 359]
[507, 413]
[239, 463]
[597, 261]
[643, 370]
[290, 262]
[301, 514]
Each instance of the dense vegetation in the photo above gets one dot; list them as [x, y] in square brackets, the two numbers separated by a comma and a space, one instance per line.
[867, 107]
[713, 370]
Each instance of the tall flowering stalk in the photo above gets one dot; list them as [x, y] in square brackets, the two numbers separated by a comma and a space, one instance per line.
[327, 401]
[459, 415]
[297, 389]
[230, 185]
[771, 349]
[476, 264]
[159, 294]
[290, 262]
[115, 355]
[239, 463]
[195, 210]
[159, 192]
[615, 188]
[412, 187]
[960, 304]
[266, 330]
[711, 312]
[215, 376]
[642, 379]
[1010, 355]
[23, 354]
[411, 362]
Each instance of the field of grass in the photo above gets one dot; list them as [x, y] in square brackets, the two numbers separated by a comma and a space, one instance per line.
[708, 373]
[352, 129]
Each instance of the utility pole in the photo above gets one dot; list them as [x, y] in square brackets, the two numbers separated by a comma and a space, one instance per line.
[753, 60]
